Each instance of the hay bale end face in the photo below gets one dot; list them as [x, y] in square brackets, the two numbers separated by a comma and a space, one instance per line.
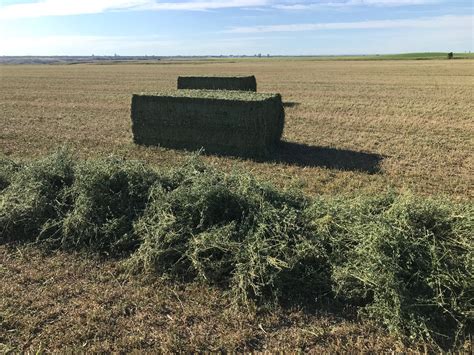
[242, 83]
[222, 122]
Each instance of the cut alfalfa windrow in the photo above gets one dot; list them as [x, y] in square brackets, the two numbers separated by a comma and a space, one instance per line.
[242, 83]
[222, 122]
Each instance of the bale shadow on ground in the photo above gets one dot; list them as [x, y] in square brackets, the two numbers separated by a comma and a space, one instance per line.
[304, 155]
[291, 104]
[332, 158]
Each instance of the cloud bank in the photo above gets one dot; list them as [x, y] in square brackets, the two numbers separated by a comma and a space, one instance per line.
[43, 8]
[309, 5]
[449, 21]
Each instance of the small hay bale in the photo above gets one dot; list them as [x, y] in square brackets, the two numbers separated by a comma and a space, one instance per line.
[242, 83]
[223, 122]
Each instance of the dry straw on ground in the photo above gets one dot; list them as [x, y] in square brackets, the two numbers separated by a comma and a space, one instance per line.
[244, 83]
[417, 115]
[223, 122]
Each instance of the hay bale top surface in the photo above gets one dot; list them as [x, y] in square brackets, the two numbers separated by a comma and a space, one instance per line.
[213, 94]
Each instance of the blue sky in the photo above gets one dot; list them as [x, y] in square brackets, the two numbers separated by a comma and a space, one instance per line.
[208, 27]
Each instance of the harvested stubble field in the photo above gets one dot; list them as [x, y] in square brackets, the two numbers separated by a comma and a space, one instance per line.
[351, 127]
[410, 120]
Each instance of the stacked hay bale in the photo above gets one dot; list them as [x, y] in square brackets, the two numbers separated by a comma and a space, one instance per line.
[226, 122]
[242, 83]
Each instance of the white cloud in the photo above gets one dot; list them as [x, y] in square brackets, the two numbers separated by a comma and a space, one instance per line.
[439, 37]
[78, 7]
[205, 5]
[449, 21]
[308, 5]
[390, 2]
[41, 8]
[125, 45]
[84, 45]
[65, 7]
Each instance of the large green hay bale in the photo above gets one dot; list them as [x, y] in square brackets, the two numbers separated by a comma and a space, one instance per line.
[224, 122]
[244, 83]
